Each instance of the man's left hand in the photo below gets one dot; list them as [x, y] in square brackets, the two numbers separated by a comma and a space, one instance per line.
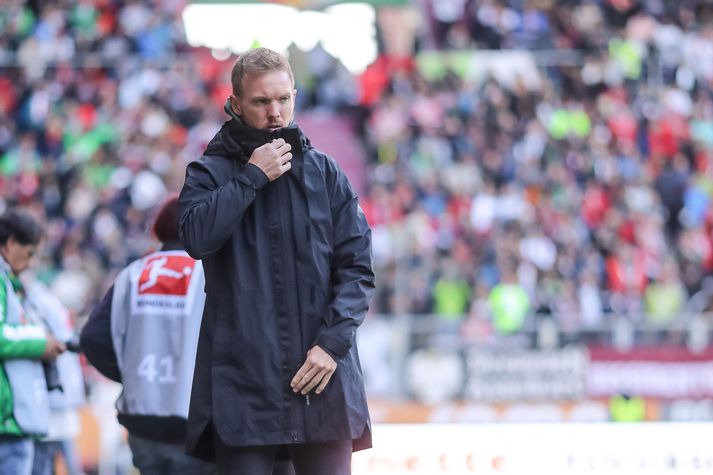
[315, 372]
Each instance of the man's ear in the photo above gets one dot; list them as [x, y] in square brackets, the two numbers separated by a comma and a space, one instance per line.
[235, 105]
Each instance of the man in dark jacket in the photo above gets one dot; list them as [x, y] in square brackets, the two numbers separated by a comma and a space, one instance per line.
[287, 256]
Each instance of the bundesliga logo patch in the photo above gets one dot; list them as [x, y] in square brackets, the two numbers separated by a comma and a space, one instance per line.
[166, 275]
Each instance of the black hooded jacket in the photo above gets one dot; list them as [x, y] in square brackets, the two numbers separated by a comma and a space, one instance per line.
[287, 266]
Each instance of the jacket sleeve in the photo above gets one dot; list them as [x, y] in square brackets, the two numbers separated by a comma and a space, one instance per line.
[352, 277]
[95, 339]
[209, 212]
[18, 340]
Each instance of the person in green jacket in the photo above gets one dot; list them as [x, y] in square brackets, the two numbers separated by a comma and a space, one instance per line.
[509, 304]
[24, 407]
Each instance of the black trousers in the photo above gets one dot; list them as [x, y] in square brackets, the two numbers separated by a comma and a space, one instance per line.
[322, 458]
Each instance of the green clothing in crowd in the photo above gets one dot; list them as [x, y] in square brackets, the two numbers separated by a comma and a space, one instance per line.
[627, 409]
[17, 341]
[451, 298]
[509, 304]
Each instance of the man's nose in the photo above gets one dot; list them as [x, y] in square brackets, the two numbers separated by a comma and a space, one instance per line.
[274, 109]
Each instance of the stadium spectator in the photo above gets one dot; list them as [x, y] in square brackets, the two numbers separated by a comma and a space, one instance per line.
[664, 298]
[627, 408]
[451, 293]
[66, 394]
[509, 304]
[24, 342]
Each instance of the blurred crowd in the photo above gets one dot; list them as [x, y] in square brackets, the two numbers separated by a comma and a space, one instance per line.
[102, 104]
[585, 195]
[582, 197]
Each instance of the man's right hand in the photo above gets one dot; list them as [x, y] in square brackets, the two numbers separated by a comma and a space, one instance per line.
[273, 158]
[53, 348]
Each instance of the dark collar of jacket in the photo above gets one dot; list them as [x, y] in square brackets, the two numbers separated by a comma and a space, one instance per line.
[172, 246]
[237, 140]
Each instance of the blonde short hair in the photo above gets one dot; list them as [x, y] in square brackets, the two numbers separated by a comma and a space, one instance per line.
[258, 60]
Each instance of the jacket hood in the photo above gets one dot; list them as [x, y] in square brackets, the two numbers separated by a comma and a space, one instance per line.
[237, 140]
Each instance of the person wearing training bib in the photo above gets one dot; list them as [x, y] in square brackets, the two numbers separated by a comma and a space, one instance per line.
[143, 334]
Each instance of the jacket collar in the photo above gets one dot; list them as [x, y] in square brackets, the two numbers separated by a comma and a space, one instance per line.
[4, 266]
[14, 279]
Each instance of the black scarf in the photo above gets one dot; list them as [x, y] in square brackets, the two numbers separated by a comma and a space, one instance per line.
[238, 140]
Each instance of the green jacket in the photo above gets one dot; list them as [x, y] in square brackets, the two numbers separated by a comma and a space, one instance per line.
[17, 341]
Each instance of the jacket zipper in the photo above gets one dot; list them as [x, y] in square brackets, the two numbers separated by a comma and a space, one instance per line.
[281, 207]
